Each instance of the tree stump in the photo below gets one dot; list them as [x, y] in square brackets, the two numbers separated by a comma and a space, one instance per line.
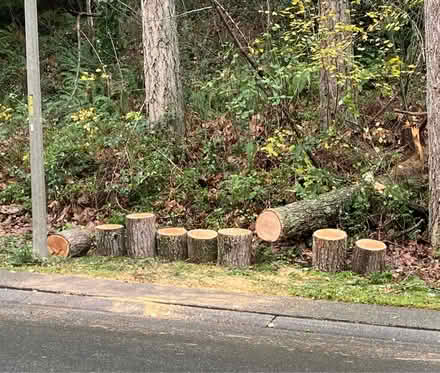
[202, 245]
[368, 256]
[141, 234]
[171, 243]
[71, 242]
[110, 239]
[235, 247]
[329, 250]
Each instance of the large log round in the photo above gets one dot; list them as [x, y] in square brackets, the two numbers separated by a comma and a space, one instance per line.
[71, 242]
[235, 247]
[110, 240]
[368, 256]
[302, 217]
[202, 246]
[171, 243]
[141, 234]
[329, 250]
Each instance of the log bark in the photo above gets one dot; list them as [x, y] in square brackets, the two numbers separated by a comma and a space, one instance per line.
[329, 250]
[302, 217]
[235, 247]
[110, 240]
[368, 256]
[141, 235]
[202, 246]
[71, 242]
[172, 243]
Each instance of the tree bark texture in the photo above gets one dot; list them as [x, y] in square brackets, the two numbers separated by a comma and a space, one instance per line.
[71, 242]
[141, 235]
[172, 243]
[368, 256]
[163, 86]
[336, 54]
[235, 247]
[302, 217]
[110, 240]
[329, 250]
[202, 246]
[432, 37]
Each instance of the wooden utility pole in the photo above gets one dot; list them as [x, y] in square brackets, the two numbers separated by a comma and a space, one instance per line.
[39, 209]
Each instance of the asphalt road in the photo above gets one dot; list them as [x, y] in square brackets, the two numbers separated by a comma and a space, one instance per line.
[46, 338]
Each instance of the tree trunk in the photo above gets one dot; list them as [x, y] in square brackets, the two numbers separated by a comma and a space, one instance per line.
[202, 246]
[432, 36]
[72, 242]
[163, 86]
[235, 247]
[110, 240]
[329, 250]
[171, 243]
[336, 52]
[302, 217]
[368, 256]
[141, 235]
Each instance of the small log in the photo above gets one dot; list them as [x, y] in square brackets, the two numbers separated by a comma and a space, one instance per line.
[235, 247]
[368, 256]
[202, 245]
[329, 250]
[71, 242]
[110, 240]
[141, 234]
[299, 218]
[171, 243]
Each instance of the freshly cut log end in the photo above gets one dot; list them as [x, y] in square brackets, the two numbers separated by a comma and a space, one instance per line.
[368, 256]
[141, 234]
[235, 247]
[110, 240]
[329, 250]
[303, 217]
[202, 246]
[172, 243]
[72, 242]
[269, 226]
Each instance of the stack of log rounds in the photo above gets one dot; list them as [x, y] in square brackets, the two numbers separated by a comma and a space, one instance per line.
[368, 256]
[110, 240]
[171, 243]
[71, 242]
[141, 234]
[202, 246]
[235, 247]
[329, 250]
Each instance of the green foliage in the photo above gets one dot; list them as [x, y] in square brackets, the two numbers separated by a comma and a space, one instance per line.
[238, 190]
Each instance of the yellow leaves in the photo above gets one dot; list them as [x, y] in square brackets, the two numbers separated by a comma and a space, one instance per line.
[394, 65]
[5, 113]
[133, 116]
[277, 144]
[85, 76]
[84, 115]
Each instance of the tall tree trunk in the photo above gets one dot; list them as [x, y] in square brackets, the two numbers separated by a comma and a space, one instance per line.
[163, 86]
[432, 37]
[336, 54]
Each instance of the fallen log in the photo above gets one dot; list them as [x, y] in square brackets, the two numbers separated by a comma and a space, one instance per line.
[303, 217]
[71, 242]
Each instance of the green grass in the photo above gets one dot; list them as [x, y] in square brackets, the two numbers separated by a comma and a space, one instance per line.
[264, 278]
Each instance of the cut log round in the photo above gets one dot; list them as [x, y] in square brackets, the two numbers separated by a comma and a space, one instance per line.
[71, 242]
[171, 243]
[141, 234]
[368, 256]
[202, 246]
[235, 247]
[110, 240]
[302, 217]
[329, 250]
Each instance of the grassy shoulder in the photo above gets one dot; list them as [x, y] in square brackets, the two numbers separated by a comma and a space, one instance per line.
[262, 279]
